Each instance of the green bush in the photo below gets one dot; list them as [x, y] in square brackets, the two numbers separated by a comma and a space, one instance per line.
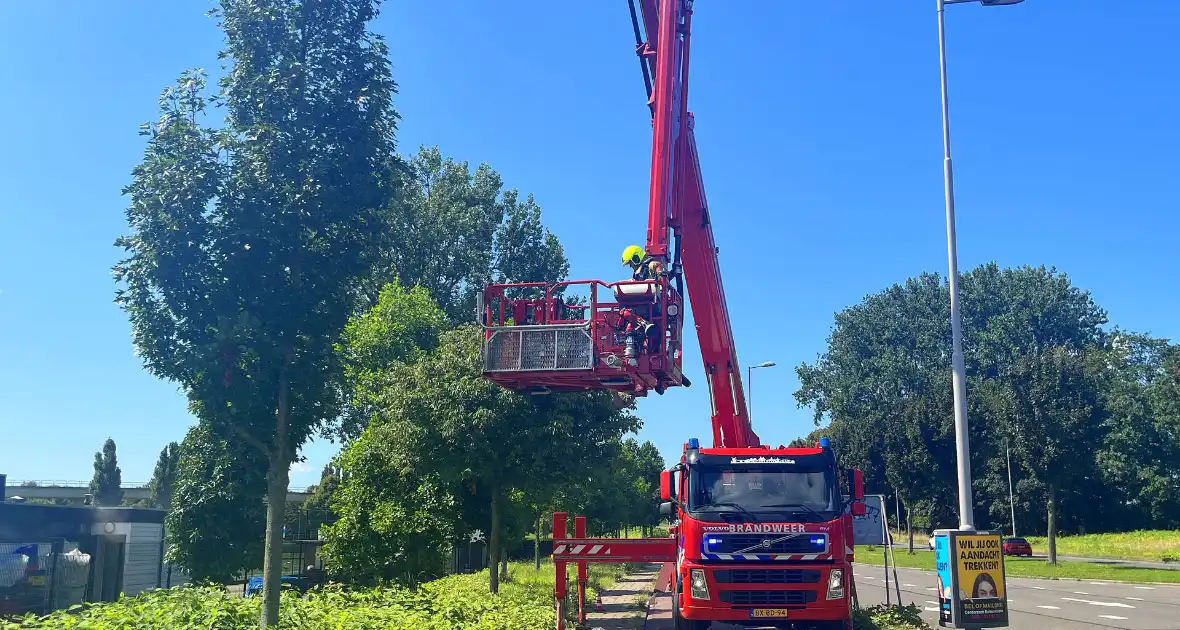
[525, 602]
[883, 617]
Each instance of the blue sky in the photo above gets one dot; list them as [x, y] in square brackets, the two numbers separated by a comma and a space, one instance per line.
[818, 125]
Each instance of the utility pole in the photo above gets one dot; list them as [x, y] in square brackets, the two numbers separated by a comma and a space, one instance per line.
[1011, 495]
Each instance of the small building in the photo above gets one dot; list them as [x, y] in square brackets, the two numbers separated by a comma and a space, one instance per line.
[55, 556]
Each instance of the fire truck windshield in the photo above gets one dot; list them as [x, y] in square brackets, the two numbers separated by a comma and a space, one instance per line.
[764, 492]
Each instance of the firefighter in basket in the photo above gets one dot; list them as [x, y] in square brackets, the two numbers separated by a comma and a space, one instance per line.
[643, 267]
[640, 334]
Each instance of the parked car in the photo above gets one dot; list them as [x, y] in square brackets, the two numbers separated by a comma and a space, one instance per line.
[1017, 547]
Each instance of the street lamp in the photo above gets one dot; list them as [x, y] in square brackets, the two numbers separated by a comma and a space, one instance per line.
[959, 377]
[750, 382]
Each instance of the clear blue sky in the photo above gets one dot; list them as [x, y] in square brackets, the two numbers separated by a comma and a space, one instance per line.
[819, 132]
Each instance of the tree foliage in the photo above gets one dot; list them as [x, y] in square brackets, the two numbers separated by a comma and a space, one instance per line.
[106, 487]
[251, 241]
[163, 482]
[1086, 415]
[455, 230]
[449, 450]
[402, 326]
[217, 521]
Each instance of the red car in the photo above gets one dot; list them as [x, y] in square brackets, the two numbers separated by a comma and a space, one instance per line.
[1017, 547]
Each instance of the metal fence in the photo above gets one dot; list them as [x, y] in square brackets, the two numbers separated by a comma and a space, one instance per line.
[38, 577]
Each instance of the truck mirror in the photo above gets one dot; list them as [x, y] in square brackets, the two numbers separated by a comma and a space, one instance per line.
[665, 485]
[858, 484]
[858, 508]
[667, 510]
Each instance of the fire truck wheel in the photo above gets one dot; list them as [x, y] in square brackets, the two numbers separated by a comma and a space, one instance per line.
[680, 623]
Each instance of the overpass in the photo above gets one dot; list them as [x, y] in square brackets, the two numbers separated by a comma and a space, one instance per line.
[77, 490]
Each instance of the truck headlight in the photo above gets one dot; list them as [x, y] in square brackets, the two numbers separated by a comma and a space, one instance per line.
[697, 584]
[836, 584]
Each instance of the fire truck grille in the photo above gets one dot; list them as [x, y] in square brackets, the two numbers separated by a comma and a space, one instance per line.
[766, 576]
[767, 598]
[736, 543]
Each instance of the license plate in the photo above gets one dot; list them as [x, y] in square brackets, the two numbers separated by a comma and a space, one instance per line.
[768, 612]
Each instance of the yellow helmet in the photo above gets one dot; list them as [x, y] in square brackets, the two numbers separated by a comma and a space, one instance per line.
[633, 255]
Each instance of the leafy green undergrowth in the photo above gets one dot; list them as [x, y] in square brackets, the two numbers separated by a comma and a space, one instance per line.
[525, 602]
[889, 618]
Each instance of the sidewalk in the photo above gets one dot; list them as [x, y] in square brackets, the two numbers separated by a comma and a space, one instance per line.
[624, 607]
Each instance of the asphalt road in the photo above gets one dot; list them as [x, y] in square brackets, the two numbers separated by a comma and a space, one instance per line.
[1043, 604]
[1032, 604]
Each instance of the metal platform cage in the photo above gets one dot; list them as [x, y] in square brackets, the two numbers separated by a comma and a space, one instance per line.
[529, 348]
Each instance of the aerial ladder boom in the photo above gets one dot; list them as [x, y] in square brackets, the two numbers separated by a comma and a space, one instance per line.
[678, 206]
[536, 341]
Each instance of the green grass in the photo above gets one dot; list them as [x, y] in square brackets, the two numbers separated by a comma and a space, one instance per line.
[1155, 546]
[1034, 568]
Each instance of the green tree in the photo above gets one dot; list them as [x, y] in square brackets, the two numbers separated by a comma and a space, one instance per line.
[318, 506]
[218, 520]
[106, 487]
[1039, 355]
[251, 242]
[441, 422]
[163, 482]
[884, 383]
[525, 250]
[457, 229]
[444, 224]
[402, 326]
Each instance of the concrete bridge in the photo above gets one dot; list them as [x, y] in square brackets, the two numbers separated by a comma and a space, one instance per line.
[77, 490]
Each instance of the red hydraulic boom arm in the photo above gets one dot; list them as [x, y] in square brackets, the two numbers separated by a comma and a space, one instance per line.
[628, 335]
[678, 211]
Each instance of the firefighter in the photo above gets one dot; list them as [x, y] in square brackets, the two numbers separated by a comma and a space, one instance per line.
[643, 267]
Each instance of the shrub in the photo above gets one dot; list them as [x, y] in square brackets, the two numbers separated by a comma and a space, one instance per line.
[525, 602]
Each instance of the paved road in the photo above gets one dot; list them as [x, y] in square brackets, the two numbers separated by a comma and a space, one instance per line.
[1033, 604]
[1045, 604]
[1139, 564]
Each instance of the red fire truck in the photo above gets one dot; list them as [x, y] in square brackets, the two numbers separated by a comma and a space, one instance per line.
[762, 536]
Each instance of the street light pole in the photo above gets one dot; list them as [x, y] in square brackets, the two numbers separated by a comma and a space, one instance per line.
[959, 376]
[750, 386]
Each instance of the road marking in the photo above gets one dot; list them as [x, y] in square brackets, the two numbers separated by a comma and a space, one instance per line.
[1099, 583]
[1049, 607]
[1094, 603]
[1039, 588]
[931, 608]
[1112, 617]
[909, 584]
[1080, 593]
[1145, 588]
[932, 588]
[930, 602]
[869, 577]
[1135, 599]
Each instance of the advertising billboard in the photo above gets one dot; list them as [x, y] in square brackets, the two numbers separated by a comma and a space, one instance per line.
[971, 585]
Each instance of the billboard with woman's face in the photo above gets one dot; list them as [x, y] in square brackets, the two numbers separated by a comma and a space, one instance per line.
[970, 576]
[979, 564]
